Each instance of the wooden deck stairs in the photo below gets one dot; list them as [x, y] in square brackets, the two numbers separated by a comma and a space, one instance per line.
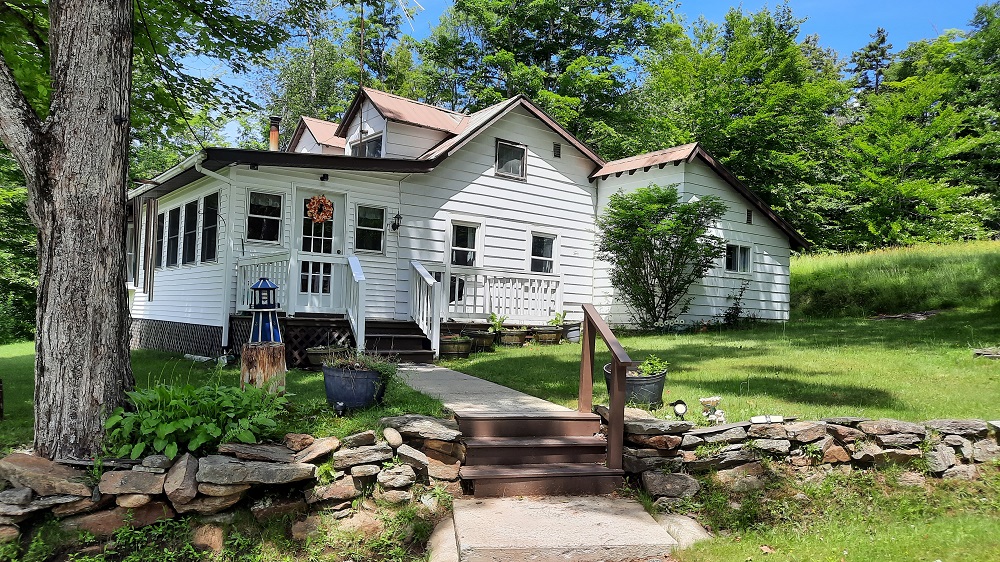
[551, 452]
[399, 338]
[535, 453]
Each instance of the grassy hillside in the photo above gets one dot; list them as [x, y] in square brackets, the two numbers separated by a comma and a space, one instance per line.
[918, 278]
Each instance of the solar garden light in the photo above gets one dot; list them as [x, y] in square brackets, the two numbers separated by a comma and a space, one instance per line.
[680, 408]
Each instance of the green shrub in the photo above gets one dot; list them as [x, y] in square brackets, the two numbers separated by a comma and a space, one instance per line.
[169, 419]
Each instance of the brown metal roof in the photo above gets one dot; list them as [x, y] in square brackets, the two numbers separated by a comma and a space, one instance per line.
[665, 156]
[403, 110]
[325, 133]
[688, 153]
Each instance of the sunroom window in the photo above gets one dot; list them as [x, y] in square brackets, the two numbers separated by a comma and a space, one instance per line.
[190, 232]
[264, 217]
[173, 235]
[209, 227]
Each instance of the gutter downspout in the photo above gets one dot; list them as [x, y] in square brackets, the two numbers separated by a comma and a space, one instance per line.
[227, 261]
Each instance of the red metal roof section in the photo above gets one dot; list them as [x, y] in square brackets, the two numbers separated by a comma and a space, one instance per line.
[665, 156]
[402, 110]
[325, 132]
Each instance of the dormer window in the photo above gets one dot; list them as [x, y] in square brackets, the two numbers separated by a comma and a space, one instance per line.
[370, 147]
[510, 159]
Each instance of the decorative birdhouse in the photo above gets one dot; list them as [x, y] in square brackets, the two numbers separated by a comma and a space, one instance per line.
[265, 312]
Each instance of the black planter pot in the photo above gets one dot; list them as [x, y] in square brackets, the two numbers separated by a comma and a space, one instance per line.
[638, 389]
[354, 388]
[571, 331]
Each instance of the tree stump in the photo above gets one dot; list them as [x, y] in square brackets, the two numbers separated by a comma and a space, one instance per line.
[263, 365]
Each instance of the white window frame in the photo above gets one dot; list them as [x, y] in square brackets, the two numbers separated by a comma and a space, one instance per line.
[365, 140]
[739, 262]
[197, 233]
[280, 218]
[160, 240]
[480, 227]
[357, 213]
[524, 160]
[166, 237]
[201, 226]
[555, 251]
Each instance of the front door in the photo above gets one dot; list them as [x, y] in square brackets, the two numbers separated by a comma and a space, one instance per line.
[321, 259]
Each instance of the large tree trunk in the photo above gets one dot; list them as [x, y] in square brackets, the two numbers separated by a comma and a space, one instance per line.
[76, 167]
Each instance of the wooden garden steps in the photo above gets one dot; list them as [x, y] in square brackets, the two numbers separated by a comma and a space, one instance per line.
[401, 339]
[534, 453]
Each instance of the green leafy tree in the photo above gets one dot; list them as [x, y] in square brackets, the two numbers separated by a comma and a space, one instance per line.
[759, 99]
[868, 64]
[658, 247]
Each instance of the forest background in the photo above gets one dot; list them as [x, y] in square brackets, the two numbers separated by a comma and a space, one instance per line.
[880, 147]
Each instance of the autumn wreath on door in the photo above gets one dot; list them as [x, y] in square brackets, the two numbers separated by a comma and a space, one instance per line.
[319, 209]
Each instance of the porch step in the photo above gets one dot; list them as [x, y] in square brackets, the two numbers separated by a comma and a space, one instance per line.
[528, 424]
[398, 327]
[540, 479]
[396, 342]
[534, 450]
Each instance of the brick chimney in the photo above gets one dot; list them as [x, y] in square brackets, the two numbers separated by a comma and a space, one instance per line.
[273, 138]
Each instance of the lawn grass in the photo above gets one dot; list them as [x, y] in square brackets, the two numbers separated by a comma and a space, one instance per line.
[862, 516]
[911, 370]
[308, 410]
[921, 277]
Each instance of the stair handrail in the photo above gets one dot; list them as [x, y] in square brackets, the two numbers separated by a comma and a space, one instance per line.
[425, 303]
[594, 324]
[356, 299]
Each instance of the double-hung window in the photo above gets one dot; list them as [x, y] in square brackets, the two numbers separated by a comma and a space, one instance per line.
[368, 148]
[159, 240]
[173, 235]
[511, 158]
[188, 254]
[737, 258]
[369, 230]
[264, 217]
[209, 227]
[463, 244]
[542, 253]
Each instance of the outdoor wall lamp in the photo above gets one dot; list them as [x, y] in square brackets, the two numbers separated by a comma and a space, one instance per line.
[324, 177]
[397, 221]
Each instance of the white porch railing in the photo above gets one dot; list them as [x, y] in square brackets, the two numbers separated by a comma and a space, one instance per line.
[355, 300]
[425, 303]
[249, 270]
[521, 297]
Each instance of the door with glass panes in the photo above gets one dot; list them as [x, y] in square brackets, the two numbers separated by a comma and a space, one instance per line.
[322, 261]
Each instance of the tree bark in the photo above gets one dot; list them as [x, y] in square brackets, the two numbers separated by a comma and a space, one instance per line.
[263, 365]
[76, 169]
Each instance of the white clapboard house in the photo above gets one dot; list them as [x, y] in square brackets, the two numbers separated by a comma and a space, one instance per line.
[437, 216]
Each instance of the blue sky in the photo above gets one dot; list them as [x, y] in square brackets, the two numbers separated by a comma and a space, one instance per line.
[844, 25]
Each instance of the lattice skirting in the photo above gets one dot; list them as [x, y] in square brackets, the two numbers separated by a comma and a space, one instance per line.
[299, 334]
[177, 337]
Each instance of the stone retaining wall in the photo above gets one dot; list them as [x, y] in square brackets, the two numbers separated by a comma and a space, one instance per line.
[663, 453]
[273, 480]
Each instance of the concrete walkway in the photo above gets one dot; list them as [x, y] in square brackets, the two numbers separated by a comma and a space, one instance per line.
[464, 393]
[557, 529]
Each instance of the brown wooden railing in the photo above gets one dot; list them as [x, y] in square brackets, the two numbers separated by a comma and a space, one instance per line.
[593, 325]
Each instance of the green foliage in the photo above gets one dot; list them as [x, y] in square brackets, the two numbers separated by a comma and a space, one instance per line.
[46, 539]
[652, 365]
[558, 319]
[361, 360]
[164, 541]
[657, 247]
[919, 278]
[18, 275]
[496, 322]
[172, 419]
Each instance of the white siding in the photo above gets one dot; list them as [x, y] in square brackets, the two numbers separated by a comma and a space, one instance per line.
[375, 190]
[767, 295]
[191, 293]
[372, 121]
[307, 143]
[557, 198]
[408, 141]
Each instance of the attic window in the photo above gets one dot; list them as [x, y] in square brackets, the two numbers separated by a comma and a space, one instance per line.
[510, 159]
[557, 150]
[749, 216]
[368, 148]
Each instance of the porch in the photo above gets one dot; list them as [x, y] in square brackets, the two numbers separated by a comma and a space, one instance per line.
[336, 286]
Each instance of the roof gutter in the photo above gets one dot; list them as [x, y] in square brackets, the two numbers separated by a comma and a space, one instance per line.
[169, 174]
[202, 156]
